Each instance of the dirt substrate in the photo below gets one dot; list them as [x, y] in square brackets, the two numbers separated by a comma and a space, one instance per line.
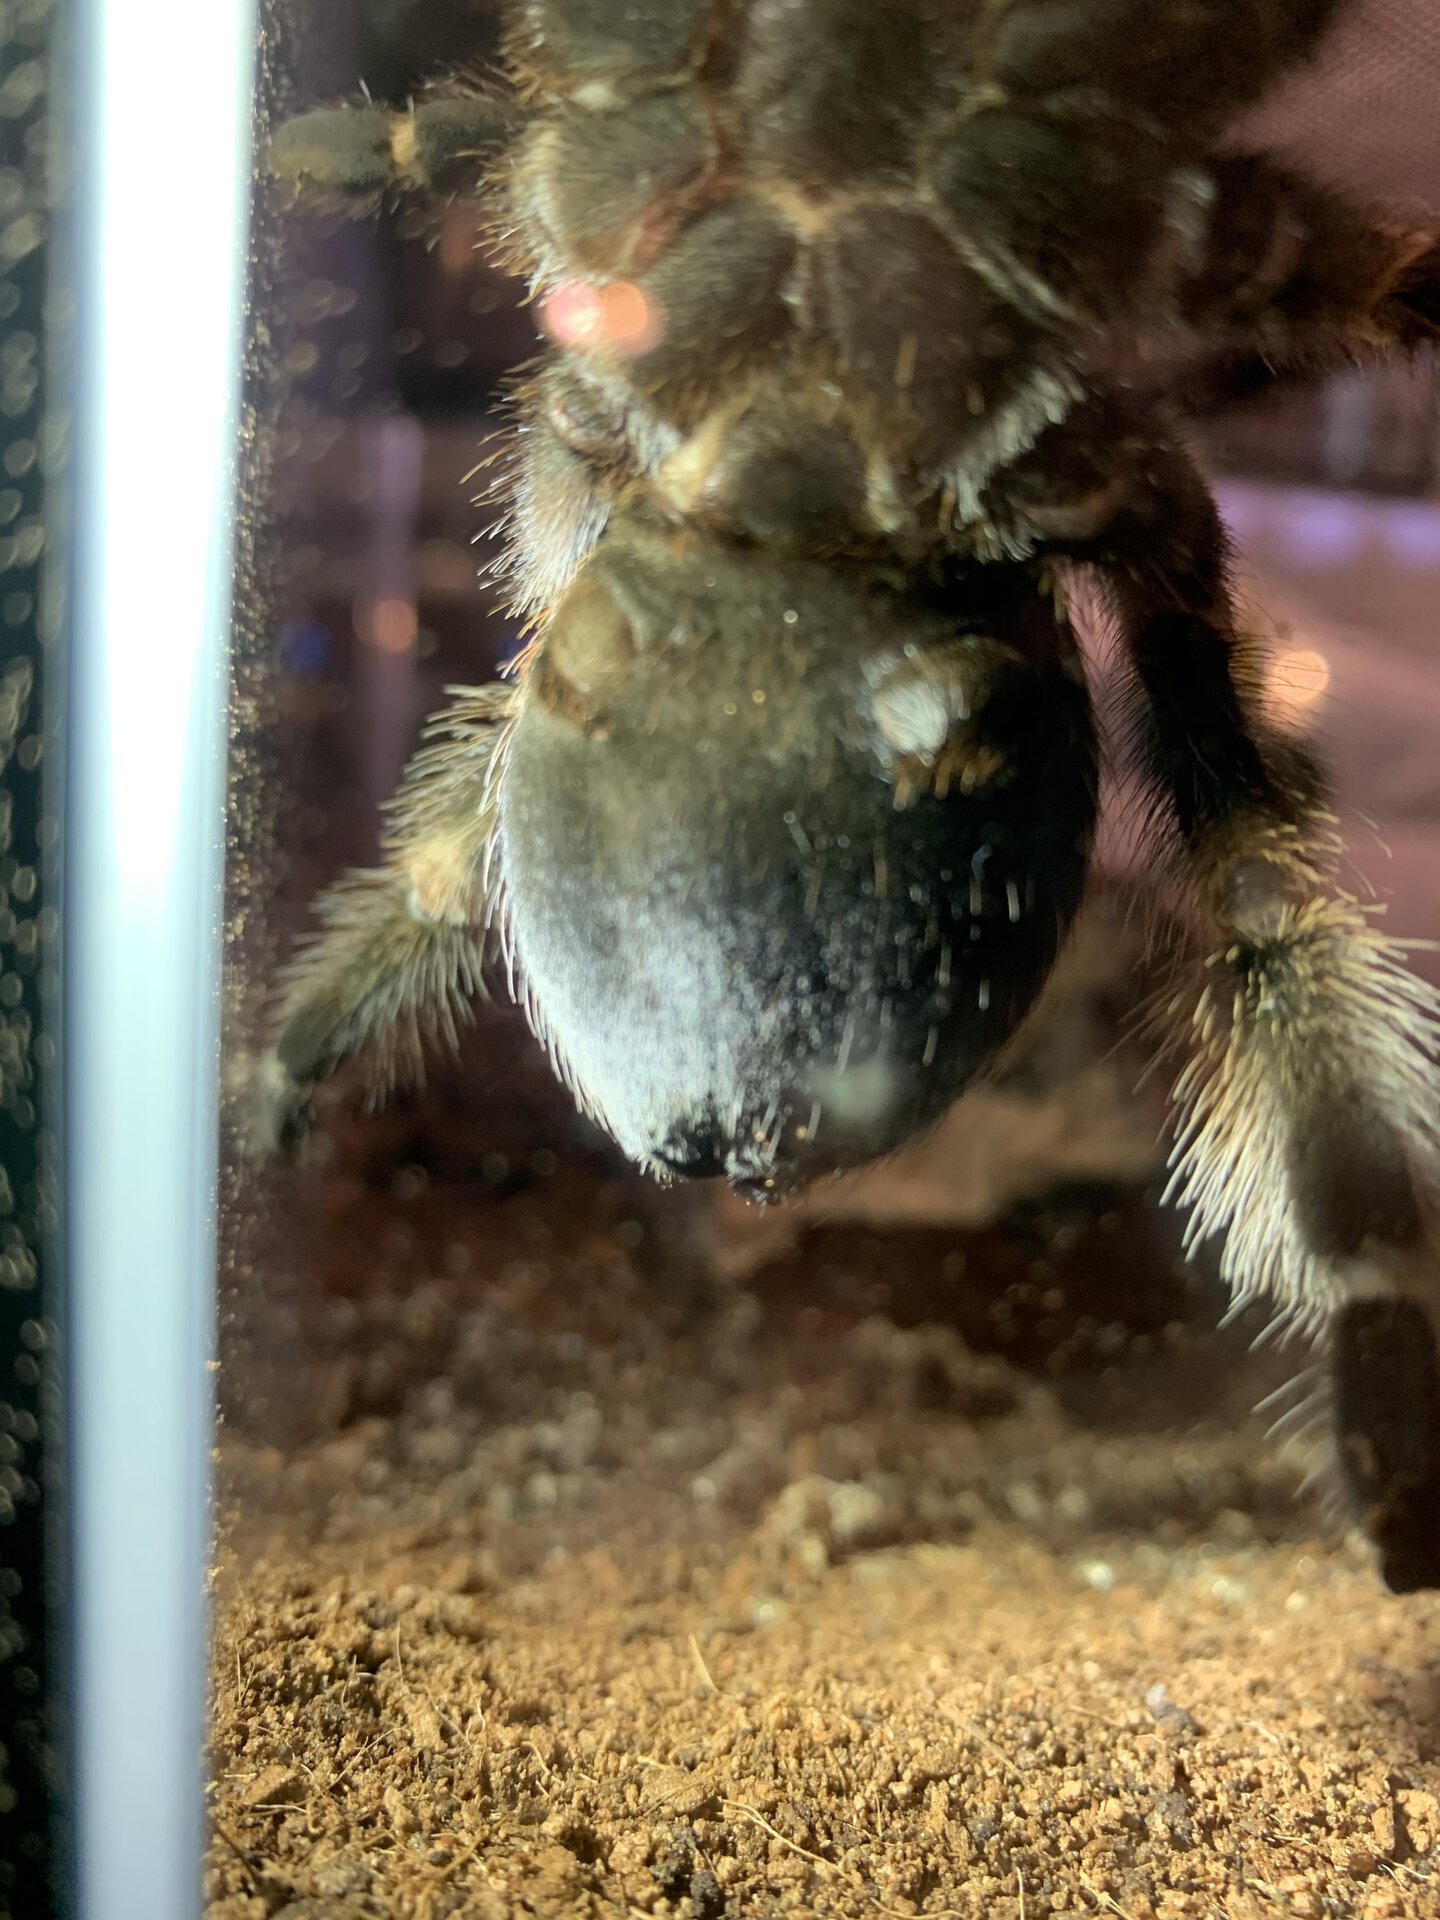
[910, 1576]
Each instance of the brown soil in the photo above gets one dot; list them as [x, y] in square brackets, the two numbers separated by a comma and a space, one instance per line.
[593, 1594]
[591, 1550]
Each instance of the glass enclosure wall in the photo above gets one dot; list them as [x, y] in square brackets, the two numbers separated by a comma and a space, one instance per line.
[120, 334]
[158, 304]
[916, 1548]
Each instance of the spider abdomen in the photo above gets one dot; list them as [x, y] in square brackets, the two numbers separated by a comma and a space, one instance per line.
[786, 851]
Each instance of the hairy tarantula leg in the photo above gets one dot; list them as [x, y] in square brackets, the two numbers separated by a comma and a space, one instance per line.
[400, 950]
[1386, 1398]
[1309, 1110]
[1299, 276]
[444, 143]
[1200, 61]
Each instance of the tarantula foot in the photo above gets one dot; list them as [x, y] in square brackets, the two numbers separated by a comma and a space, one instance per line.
[1387, 1426]
[341, 150]
[270, 1111]
[358, 153]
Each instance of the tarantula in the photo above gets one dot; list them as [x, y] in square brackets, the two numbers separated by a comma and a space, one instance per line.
[864, 322]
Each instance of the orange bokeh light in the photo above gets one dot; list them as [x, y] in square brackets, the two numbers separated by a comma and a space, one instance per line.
[1298, 680]
[619, 316]
[391, 626]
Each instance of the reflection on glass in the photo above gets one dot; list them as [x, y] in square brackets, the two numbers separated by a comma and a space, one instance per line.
[157, 314]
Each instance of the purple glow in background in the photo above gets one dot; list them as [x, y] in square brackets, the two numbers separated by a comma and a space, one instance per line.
[1349, 589]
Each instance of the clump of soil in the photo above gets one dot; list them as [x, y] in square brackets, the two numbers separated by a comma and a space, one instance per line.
[905, 1579]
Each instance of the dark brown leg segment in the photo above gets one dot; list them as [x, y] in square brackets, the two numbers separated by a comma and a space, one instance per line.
[1291, 278]
[1309, 1108]
[1196, 63]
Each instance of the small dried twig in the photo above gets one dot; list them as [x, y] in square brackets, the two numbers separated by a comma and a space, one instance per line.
[1398, 1871]
[455, 1862]
[276, 1887]
[249, 1855]
[707, 1679]
[816, 1859]
[999, 1752]
[1108, 1902]
[355, 1759]
[829, 1866]
[1268, 1733]
[1103, 1720]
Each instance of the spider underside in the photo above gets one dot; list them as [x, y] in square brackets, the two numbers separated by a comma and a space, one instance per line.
[870, 326]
